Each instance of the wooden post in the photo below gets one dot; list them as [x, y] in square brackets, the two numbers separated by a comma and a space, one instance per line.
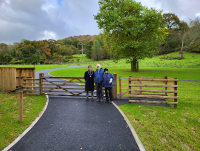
[120, 87]
[175, 94]
[41, 83]
[20, 77]
[21, 106]
[129, 81]
[166, 84]
[140, 83]
[115, 86]
[31, 86]
[24, 85]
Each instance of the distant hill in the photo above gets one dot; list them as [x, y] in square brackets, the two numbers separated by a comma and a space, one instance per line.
[82, 37]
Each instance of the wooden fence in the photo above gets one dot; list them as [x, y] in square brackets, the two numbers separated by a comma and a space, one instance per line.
[11, 77]
[149, 87]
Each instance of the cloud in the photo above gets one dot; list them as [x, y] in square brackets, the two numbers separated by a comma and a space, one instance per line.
[58, 19]
[37, 19]
[184, 9]
[49, 35]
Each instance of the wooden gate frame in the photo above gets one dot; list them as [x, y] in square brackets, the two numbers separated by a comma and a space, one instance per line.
[138, 92]
[59, 86]
[29, 84]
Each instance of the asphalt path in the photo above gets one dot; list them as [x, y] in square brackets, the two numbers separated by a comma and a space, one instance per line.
[74, 124]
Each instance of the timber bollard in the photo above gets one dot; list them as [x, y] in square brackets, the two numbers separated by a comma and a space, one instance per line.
[21, 106]
[129, 82]
[41, 83]
[115, 86]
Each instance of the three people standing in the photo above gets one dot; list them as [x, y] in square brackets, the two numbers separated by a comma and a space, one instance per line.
[101, 80]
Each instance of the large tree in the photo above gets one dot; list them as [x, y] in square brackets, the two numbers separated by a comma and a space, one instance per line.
[130, 30]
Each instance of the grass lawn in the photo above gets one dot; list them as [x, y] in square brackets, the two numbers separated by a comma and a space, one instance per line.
[10, 128]
[190, 60]
[180, 73]
[85, 59]
[38, 67]
[165, 128]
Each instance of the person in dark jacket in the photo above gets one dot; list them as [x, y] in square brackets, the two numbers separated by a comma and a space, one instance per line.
[89, 82]
[107, 83]
[98, 78]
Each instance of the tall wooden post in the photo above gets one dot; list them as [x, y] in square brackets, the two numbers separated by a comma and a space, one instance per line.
[175, 94]
[120, 87]
[166, 87]
[21, 106]
[129, 82]
[115, 86]
[41, 82]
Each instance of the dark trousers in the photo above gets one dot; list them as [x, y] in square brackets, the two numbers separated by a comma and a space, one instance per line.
[99, 90]
[110, 93]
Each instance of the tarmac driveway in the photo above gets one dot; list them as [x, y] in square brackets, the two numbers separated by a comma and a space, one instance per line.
[74, 124]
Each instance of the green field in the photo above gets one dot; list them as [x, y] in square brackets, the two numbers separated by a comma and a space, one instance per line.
[191, 60]
[10, 127]
[38, 67]
[85, 59]
[180, 73]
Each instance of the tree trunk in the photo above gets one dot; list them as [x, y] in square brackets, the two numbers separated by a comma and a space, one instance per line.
[134, 65]
[181, 53]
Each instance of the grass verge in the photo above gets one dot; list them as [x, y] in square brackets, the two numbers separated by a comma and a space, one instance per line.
[10, 127]
[165, 128]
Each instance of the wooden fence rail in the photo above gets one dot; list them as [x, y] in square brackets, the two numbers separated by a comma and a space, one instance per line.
[149, 87]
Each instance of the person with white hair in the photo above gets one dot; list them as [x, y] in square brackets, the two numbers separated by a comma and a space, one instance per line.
[98, 78]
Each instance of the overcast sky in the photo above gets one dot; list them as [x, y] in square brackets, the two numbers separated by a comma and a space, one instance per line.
[58, 19]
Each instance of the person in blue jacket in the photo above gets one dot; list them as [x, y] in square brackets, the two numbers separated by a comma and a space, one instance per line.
[107, 83]
[98, 78]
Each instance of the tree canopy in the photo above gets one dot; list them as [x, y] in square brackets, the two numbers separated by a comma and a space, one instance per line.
[130, 30]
